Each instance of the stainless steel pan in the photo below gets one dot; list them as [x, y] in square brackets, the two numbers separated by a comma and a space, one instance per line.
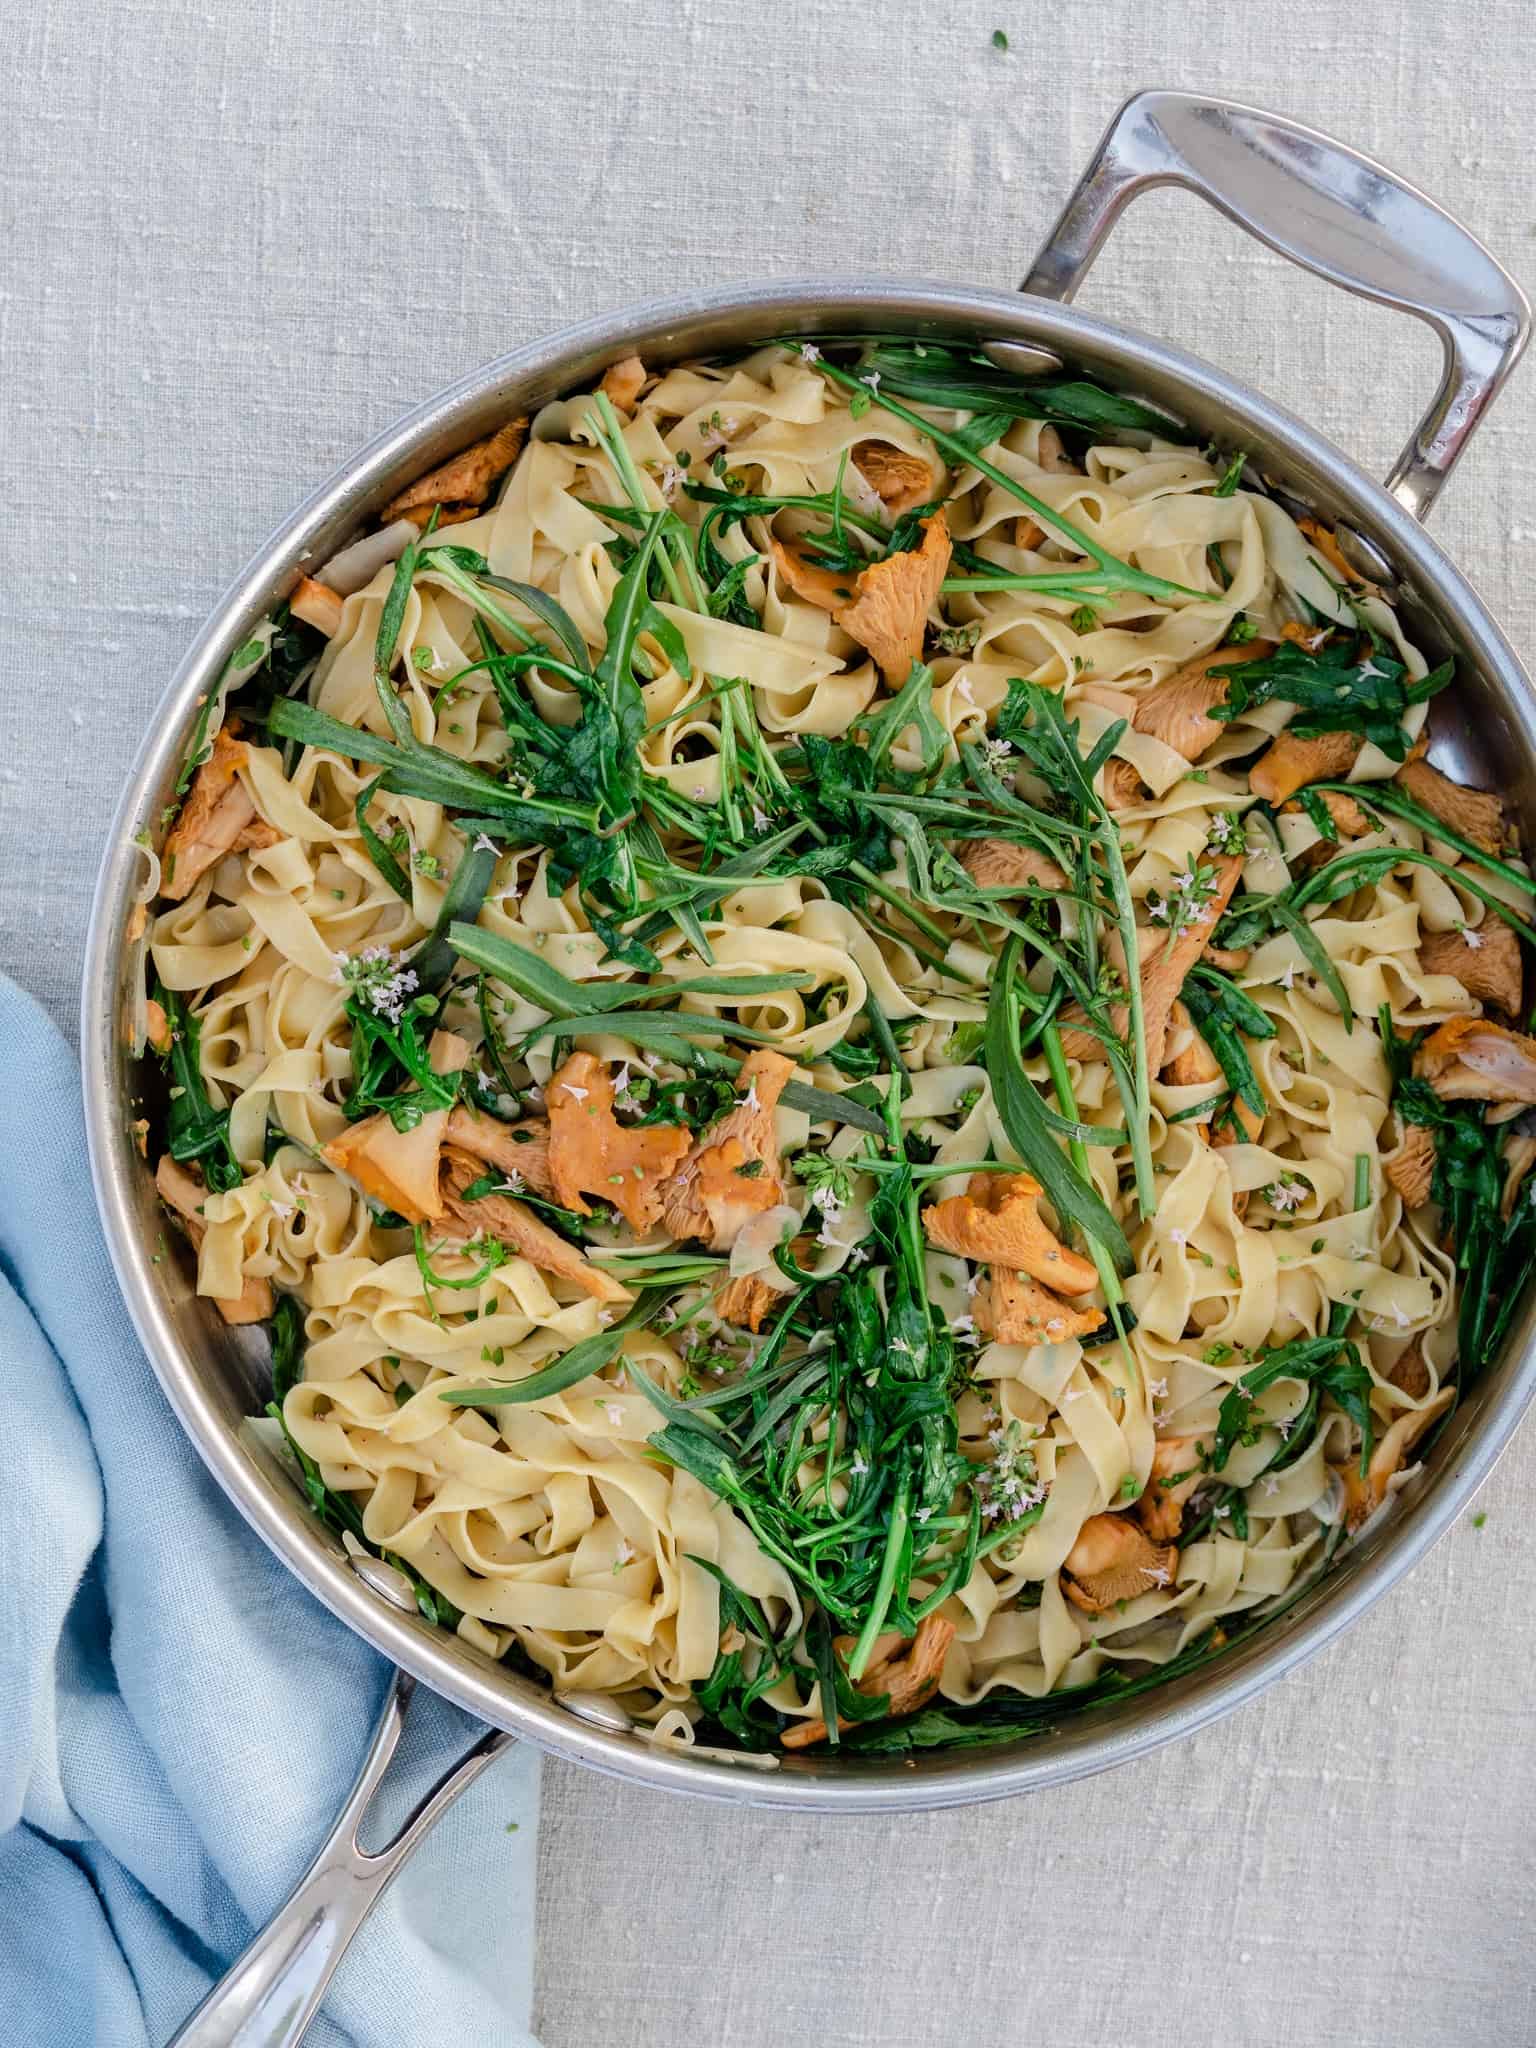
[1338, 215]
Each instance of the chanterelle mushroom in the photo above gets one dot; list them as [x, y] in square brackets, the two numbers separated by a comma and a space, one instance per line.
[1411, 1168]
[1349, 820]
[511, 1223]
[1477, 814]
[1178, 710]
[1470, 1060]
[1194, 1065]
[733, 1173]
[464, 480]
[997, 1220]
[180, 1189]
[1114, 1561]
[1289, 763]
[318, 605]
[218, 817]
[910, 1680]
[520, 1150]
[1177, 1470]
[592, 1153]
[395, 1167]
[884, 607]
[1484, 958]
[1164, 969]
[623, 383]
[902, 481]
[1410, 1373]
[1014, 1309]
[749, 1297]
[1122, 786]
[1362, 1497]
[1004, 864]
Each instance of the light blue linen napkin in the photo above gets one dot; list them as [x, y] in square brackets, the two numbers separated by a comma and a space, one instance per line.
[179, 1719]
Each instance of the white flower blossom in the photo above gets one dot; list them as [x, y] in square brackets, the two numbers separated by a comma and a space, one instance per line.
[810, 352]
[1471, 938]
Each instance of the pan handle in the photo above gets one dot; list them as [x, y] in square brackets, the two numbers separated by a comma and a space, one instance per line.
[269, 1996]
[1338, 214]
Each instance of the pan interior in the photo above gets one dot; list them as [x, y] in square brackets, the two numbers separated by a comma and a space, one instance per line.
[1483, 732]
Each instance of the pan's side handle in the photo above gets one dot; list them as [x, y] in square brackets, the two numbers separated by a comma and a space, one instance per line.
[1335, 212]
[269, 1996]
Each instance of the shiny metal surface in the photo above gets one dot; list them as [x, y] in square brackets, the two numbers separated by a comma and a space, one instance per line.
[1337, 213]
[213, 1377]
[269, 1997]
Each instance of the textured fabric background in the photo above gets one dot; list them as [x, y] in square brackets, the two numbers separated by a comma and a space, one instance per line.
[235, 240]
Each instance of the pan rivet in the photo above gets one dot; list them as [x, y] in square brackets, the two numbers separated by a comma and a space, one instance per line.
[596, 1708]
[384, 1580]
[1024, 358]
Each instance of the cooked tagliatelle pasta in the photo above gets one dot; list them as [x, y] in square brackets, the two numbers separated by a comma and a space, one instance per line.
[870, 1085]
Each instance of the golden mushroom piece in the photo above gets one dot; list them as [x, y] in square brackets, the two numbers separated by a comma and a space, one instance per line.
[1113, 1561]
[997, 1220]
[1178, 710]
[1471, 1060]
[1178, 1466]
[1484, 958]
[909, 1679]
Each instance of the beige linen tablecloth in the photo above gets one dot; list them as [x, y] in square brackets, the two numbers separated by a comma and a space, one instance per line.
[240, 237]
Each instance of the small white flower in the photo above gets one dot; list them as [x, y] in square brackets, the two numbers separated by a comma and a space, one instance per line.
[671, 479]
[625, 1553]
[1160, 911]
[484, 845]
[1159, 1575]
[810, 352]
[858, 1467]
[1288, 979]
[1185, 879]
[1157, 1389]
[700, 793]
[759, 819]
[1369, 668]
[281, 1210]
[972, 1283]
[576, 1094]
[873, 380]
[1471, 938]
[1271, 1486]
[1287, 1195]
[614, 1412]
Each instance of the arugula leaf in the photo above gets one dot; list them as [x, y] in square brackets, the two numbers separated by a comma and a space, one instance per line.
[1335, 689]
[934, 373]
[1022, 1114]
[1329, 1363]
[581, 1362]
[195, 1132]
